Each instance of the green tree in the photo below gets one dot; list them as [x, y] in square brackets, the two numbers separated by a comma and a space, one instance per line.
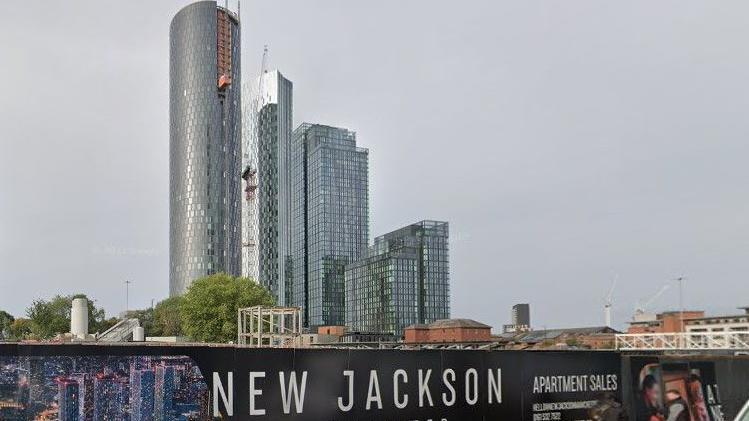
[6, 319]
[145, 317]
[20, 329]
[167, 320]
[572, 342]
[52, 317]
[105, 324]
[209, 309]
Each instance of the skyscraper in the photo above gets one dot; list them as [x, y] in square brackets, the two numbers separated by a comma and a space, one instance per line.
[67, 399]
[85, 395]
[142, 384]
[164, 393]
[204, 144]
[105, 400]
[521, 315]
[403, 279]
[266, 224]
[330, 218]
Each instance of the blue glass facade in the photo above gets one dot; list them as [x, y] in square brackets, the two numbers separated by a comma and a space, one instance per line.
[142, 384]
[106, 403]
[330, 218]
[164, 393]
[204, 144]
[67, 400]
[403, 279]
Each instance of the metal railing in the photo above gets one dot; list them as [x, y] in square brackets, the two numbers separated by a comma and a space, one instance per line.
[120, 332]
[683, 341]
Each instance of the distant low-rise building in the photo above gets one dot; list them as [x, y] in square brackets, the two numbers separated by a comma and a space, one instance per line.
[597, 337]
[448, 331]
[718, 324]
[667, 322]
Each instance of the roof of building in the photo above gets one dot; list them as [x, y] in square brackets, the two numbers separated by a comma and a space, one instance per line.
[678, 312]
[454, 323]
[550, 334]
[728, 316]
[451, 324]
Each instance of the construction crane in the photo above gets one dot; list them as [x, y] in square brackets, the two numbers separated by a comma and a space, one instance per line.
[608, 303]
[641, 307]
[250, 172]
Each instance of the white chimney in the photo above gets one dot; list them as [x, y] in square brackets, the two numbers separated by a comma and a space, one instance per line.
[79, 318]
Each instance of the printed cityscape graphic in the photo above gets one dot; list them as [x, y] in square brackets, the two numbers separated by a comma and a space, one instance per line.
[118, 388]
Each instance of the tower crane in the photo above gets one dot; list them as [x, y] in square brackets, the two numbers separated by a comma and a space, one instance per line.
[609, 303]
[641, 307]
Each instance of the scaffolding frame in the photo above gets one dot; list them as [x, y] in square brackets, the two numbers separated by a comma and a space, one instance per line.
[683, 341]
[266, 326]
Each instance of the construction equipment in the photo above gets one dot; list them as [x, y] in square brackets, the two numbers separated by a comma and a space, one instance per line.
[608, 303]
[267, 326]
[641, 308]
[250, 110]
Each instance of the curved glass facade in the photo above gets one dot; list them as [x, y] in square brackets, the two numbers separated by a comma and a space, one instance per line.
[204, 144]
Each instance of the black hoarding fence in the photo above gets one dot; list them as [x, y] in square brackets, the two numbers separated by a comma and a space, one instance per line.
[121, 382]
[200, 382]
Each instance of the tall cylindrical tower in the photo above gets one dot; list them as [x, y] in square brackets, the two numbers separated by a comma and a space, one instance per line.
[204, 144]
[79, 318]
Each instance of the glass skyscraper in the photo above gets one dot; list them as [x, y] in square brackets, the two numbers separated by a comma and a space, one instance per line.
[204, 144]
[105, 402]
[67, 399]
[330, 218]
[403, 279]
[142, 383]
[267, 218]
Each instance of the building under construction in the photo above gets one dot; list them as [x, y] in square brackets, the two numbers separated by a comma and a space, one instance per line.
[266, 225]
[204, 144]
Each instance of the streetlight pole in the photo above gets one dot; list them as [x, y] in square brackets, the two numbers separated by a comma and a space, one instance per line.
[681, 280]
[127, 296]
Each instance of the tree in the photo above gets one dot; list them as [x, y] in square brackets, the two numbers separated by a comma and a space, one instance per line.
[145, 317]
[52, 317]
[105, 324]
[209, 309]
[6, 319]
[20, 329]
[166, 318]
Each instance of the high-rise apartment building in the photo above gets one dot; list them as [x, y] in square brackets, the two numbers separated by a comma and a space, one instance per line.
[105, 402]
[164, 393]
[204, 144]
[520, 319]
[403, 279]
[266, 224]
[67, 399]
[330, 218]
[521, 315]
[142, 385]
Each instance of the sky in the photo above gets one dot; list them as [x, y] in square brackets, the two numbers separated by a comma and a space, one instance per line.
[567, 143]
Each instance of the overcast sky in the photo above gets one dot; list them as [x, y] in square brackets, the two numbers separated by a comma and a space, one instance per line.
[564, 141]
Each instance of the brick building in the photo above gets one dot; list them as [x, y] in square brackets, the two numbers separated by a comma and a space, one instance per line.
[667, 322]
[448, 331]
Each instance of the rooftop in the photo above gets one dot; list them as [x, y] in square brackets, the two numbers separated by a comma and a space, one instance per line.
[543, 335]
[451, 324]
